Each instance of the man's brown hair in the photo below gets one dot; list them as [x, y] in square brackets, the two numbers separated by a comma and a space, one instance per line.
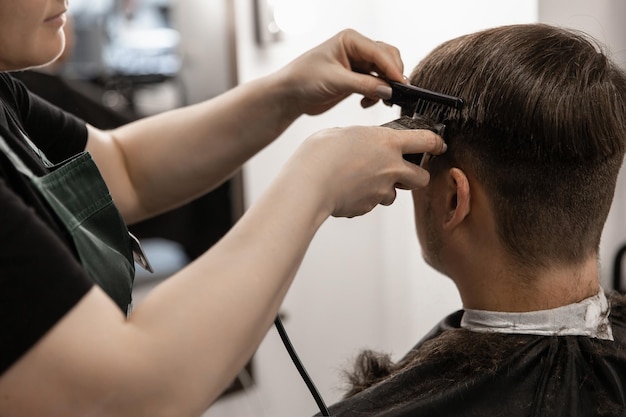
[543, 129]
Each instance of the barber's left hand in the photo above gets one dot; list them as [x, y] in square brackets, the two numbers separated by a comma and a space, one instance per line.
[328, 73]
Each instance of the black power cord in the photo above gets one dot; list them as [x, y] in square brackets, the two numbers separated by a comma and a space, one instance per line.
[305, 376]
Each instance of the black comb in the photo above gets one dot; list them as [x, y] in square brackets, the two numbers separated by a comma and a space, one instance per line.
[406, 95]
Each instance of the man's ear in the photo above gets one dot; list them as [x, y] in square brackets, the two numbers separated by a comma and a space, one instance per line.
[457, 198]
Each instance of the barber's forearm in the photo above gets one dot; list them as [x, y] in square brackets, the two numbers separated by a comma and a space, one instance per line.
[231, 294]
[176, 156]
[187, 340]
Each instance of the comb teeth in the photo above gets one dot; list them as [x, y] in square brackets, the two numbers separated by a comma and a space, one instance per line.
[425, 103]
[433, 111]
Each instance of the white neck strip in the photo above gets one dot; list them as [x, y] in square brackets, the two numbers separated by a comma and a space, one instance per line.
[590, 318]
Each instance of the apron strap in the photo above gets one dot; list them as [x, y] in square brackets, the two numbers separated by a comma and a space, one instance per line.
[44, 159]
[15, 160]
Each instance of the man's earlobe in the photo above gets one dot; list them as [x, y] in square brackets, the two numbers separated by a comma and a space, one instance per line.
[457, 198]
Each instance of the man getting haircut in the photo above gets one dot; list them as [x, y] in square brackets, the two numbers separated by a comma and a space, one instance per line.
[513, 214]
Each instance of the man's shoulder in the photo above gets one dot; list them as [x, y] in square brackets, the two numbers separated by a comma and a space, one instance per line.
[453, 370]
[617, 299]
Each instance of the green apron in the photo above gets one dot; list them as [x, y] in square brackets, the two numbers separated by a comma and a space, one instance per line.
[76, 192]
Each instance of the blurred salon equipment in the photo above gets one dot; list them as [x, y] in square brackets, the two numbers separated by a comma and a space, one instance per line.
[129, 57]
[124, 47]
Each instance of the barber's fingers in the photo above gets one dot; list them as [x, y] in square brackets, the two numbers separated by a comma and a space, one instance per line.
[416, 142]
[419, 141]
[366, 55]
[416, 177]
[351, 170]
[394, 55]
[380, 156]
[389, 198]
[367, 102]
[325, 75]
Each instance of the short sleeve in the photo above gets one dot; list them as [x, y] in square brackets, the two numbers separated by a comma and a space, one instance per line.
[40, 279]
[57, 133]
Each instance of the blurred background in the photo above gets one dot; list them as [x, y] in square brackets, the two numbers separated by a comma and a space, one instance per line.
[363, 283]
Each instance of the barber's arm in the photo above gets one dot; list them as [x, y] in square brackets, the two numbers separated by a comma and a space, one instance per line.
[191, 335]
[158, 163]
[188, 339]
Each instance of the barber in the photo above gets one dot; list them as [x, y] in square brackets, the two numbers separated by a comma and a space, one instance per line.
[69, 346]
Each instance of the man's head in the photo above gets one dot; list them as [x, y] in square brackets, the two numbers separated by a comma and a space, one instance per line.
[542, 133]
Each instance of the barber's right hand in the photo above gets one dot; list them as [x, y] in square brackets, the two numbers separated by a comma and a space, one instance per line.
[354, 169]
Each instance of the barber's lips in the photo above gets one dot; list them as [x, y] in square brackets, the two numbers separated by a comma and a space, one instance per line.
[57, 19]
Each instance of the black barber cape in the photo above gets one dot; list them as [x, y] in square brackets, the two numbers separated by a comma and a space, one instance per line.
[455, 372]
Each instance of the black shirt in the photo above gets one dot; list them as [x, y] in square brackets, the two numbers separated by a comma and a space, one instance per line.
[41, 278]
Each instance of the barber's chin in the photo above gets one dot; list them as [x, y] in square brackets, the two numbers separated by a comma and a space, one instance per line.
[49, 51]
[45, 67]
[46, 60]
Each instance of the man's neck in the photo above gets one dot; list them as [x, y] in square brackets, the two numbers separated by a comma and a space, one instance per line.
[504, 289]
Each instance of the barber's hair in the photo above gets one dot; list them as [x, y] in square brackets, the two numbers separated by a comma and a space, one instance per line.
[543, 130]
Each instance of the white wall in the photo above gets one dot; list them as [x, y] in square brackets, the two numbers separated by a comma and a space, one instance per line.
[604, 20]
[206, 40]
[363, 282]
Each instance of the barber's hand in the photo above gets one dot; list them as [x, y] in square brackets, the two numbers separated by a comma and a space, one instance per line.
[354, 169]
[327, 74]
